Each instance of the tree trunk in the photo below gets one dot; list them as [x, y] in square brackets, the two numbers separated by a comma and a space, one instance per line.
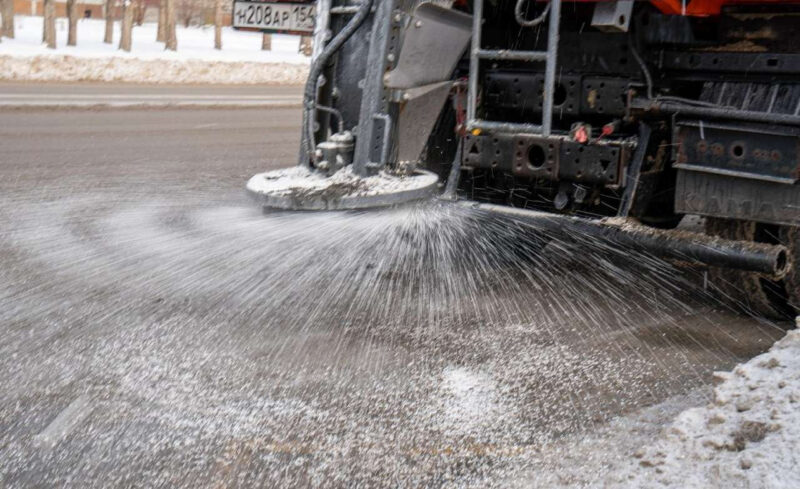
[127, 26]
[72, 15]
[8, 19]
[266, 42]
[109, 36]
[172, 39]
[218, 24]
[306, 45]
[138, 12]
[161, 35]
[49, 31]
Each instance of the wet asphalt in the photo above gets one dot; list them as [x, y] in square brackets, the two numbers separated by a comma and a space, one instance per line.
[157, 330]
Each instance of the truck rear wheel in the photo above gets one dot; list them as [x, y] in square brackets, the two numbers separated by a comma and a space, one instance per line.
[790, 236]
[755, 292]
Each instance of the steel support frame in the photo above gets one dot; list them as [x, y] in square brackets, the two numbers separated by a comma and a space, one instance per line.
[374, 102]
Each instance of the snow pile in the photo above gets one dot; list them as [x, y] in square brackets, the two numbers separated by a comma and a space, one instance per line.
[748, 437]
[241, 61]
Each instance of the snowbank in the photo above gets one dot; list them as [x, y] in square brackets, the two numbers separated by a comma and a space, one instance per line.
[748, 437]
[241, 61]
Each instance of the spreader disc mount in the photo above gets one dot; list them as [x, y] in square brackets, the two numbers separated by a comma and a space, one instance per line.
[302, 189]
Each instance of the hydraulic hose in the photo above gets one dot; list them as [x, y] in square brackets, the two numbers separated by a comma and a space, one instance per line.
[310, 92]
[519, 15]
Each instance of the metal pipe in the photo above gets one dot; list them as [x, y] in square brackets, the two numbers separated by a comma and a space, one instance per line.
[348, 10]
[318, 64]
[506, 54]
[336, 113]
[472, 91]
[713, 112]
[673, 245]
[493, 126]
[550, 69]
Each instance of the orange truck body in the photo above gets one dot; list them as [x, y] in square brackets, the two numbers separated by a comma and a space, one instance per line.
[695, 8]
[706, 7]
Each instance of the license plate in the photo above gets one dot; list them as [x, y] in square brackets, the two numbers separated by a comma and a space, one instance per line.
[273, 16]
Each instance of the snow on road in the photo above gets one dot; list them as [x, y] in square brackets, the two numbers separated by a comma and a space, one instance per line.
[196, 61]
[747, 437]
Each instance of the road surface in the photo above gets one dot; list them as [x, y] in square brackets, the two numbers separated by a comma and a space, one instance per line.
[83, 95]
[159, 331]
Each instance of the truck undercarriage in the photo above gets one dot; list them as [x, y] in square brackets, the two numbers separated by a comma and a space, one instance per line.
[646, 111]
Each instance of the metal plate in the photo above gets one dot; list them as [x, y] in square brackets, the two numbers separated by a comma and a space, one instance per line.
[274, 16]
[435, 39]
[418, 113]
[552, 158]
[737, 198]
[292, 195]
[757, 153]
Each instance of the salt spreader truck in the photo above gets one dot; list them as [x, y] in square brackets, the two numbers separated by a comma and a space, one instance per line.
[607, 118]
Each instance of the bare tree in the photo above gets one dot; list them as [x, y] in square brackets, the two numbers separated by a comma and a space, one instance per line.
[185, 11]
[72, 15]
[161, 35]
[139, 10]
[171, 38]
[7, 28]
[49, 30]
[109, 36]
[218, 24]
[266, 42]
[127, 25]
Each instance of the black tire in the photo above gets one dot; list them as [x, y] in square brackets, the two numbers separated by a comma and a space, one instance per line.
[790, 237]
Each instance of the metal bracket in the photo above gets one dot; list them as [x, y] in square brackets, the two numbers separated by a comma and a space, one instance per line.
[613, 16]
[634, 171]
[387, 135]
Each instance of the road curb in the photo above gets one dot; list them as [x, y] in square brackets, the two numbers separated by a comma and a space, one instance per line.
[145, 106]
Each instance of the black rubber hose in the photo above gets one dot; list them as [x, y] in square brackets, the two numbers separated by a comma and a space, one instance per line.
[310, 92]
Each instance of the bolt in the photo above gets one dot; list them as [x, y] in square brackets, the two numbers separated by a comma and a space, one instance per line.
[561, 201]
[390, 57]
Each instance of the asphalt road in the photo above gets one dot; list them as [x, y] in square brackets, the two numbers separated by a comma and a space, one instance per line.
[156, 330]
[83, 95]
